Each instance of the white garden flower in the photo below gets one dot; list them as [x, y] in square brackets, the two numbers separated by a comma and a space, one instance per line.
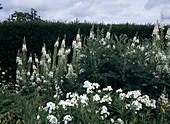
[18, 61]
[51, 106]
[28, 73]
[52, 119]
[96, 97]
[74, 43]
[63, 44]
[119, 91]
[50, 74]
[36, 60]
[91, 35]
[122, 96]
[43, 51]
[114, 47]
[79, 45]
[106, 98]
[104, 111]
[149, 103]
[108, 35]
[112, 120]
[120, 121]
[132, 44]
[133, 94]
[84, 99]
[34, 67]
[135, 39]
[155, 30]
[161, 26]
[56, 44]
[68, 51]
[61, 52]
[67, 119]
[95, 85]
[87, 84]
[24, 47]
[137, 105]
[38, 79]
[108, 88]
[168, 34]
[127, 106]
[78, 37]
[38, 117]
[99, 91]
[30, 60]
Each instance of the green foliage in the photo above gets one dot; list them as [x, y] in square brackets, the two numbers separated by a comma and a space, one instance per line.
[15, 108]
[123, 63]
[22, 17]
[37, 33]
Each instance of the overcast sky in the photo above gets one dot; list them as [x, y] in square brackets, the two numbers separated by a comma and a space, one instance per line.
[106, 11]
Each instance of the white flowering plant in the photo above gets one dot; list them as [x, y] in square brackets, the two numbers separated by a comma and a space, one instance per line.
[125, 63]
[104, 105]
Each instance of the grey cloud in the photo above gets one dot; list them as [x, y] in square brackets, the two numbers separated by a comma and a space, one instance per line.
[81, 9]
[152, 3]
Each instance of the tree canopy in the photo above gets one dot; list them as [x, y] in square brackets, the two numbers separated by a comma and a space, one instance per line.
[23, 16]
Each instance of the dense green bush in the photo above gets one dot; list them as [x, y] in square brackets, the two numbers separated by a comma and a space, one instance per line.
[37, 33]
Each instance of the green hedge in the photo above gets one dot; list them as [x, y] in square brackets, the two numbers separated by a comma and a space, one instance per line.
[37, 33]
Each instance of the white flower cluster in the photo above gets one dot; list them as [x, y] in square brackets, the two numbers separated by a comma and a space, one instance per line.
[168, 34]
[137, 103]
[78, 37]
[52, 119]
[156, 32]
[73, 101]
[67, 119]
[108, 35]
[135, 39]
[76, 45]
[58, 91]
[120, 121]
[24, 47]
[106, 98]
[149, 103]
[91, 35]
[162, 98]
[104, 112]
[19, 61]
[90, 86]
[30, 59]
[56, 44]
[70, 71]
[108, 88]
[50, 74]
[63, 43]
[50, 106]
[96, 97]
[161, 25]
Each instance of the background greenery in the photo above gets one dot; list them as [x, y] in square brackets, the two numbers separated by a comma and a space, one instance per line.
[39, 32]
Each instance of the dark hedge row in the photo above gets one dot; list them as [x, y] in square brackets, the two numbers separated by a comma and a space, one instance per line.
[37, 33]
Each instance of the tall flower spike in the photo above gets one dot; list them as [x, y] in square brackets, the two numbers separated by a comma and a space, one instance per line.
[168, 34]
[161, 26]
[108, 32]
[92, 32]
[78, 38]
[44, 49]
[63, 44]
[57, 42]
[156, 31]
[24, 47]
